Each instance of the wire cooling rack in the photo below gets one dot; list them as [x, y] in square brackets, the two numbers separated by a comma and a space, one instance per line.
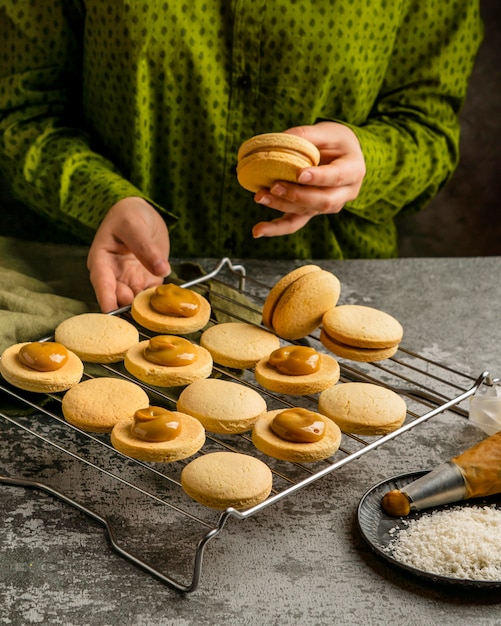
[429, 388]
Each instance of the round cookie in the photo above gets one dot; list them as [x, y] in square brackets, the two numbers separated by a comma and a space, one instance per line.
[23, 377]
[271, 444]
[187, 443]
[295, 306]
[97, 404]
[165, 375]
[143, 313]
[279, 288]
[362, 327]
[97, 337]
[363, 408]
[269, 157]
[227, 479]
[362, 355]
[237, 344]
[222, 406]
[270, 378]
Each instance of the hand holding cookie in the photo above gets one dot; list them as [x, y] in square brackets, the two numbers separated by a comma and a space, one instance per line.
[322, 188]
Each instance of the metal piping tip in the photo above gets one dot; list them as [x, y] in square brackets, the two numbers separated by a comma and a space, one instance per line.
[443, 485]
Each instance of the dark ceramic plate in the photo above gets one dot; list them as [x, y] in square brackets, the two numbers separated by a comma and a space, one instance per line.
[375, 526]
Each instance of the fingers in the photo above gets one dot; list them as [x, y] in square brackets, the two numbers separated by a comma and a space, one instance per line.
[285, 225]
[104, 282]
[144, 233]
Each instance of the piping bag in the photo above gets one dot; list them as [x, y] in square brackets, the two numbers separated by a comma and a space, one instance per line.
[473, 474]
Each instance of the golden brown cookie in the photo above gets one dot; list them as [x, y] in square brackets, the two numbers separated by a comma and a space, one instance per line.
[20, 375]
[279, 288]
[269, 157]
[97, 404]
[222, 406]
[143, 313]
[267, 441]
[238, 345]
[270, 378]
[362, 355]
[363, 408]
[295, 305]
[166, 375]
[227, 479]
[360, 333]
[189, 440]
[97, 337]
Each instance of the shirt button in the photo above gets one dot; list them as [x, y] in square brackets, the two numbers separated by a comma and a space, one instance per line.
[230, 244]
[244, 81]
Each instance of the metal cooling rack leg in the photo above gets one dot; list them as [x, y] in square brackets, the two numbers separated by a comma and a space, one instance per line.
[197, 569]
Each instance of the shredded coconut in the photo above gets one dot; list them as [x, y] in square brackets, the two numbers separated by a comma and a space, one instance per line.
[459, 542]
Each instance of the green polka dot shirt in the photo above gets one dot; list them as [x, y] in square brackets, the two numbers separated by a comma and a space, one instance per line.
[104, 100]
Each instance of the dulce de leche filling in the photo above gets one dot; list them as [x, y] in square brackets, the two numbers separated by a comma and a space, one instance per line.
[481, 467]
[43, 356]
[298, 425]
[155, 424]
[295, 360]
[173, 300]
[170, 350]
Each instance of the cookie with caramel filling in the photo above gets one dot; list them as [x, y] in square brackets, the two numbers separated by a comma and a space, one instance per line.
[302, 382]
[168, 375]
[16, 371]
[187, 438]
[170, 319]
[268, 441]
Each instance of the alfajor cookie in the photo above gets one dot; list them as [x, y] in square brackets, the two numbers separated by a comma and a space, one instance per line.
[157, 435]
[97, 337]
[287, 371]
[168, 361]
[170, 309]
[41, 366]
[222, 406]
[295, 305]
[360, 333]
[363, 408]
[97, 404]
[296, 435]
[237, 344]
[227, 479]
[269, 157]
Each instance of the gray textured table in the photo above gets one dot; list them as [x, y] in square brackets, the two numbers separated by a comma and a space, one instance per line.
[301, 561]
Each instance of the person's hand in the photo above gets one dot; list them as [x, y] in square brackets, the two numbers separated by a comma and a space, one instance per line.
[129, 253]
[322, 189]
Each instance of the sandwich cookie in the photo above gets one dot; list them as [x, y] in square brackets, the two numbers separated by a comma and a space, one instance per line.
[363, 408]
[41, 366]
[266, 158]
[227, 479]
[222, 406]
[296, 435]
[297, 370]
[155, 434]
[238, 345]
[295, 305]
[97, 404]
[97, 337]
[168, 361]
[360, 333]
[170, 309]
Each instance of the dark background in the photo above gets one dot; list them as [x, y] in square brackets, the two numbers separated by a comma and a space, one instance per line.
[465, 217]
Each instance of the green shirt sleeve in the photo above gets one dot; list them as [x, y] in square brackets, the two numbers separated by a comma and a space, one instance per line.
[410, 140]
[46, 155]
